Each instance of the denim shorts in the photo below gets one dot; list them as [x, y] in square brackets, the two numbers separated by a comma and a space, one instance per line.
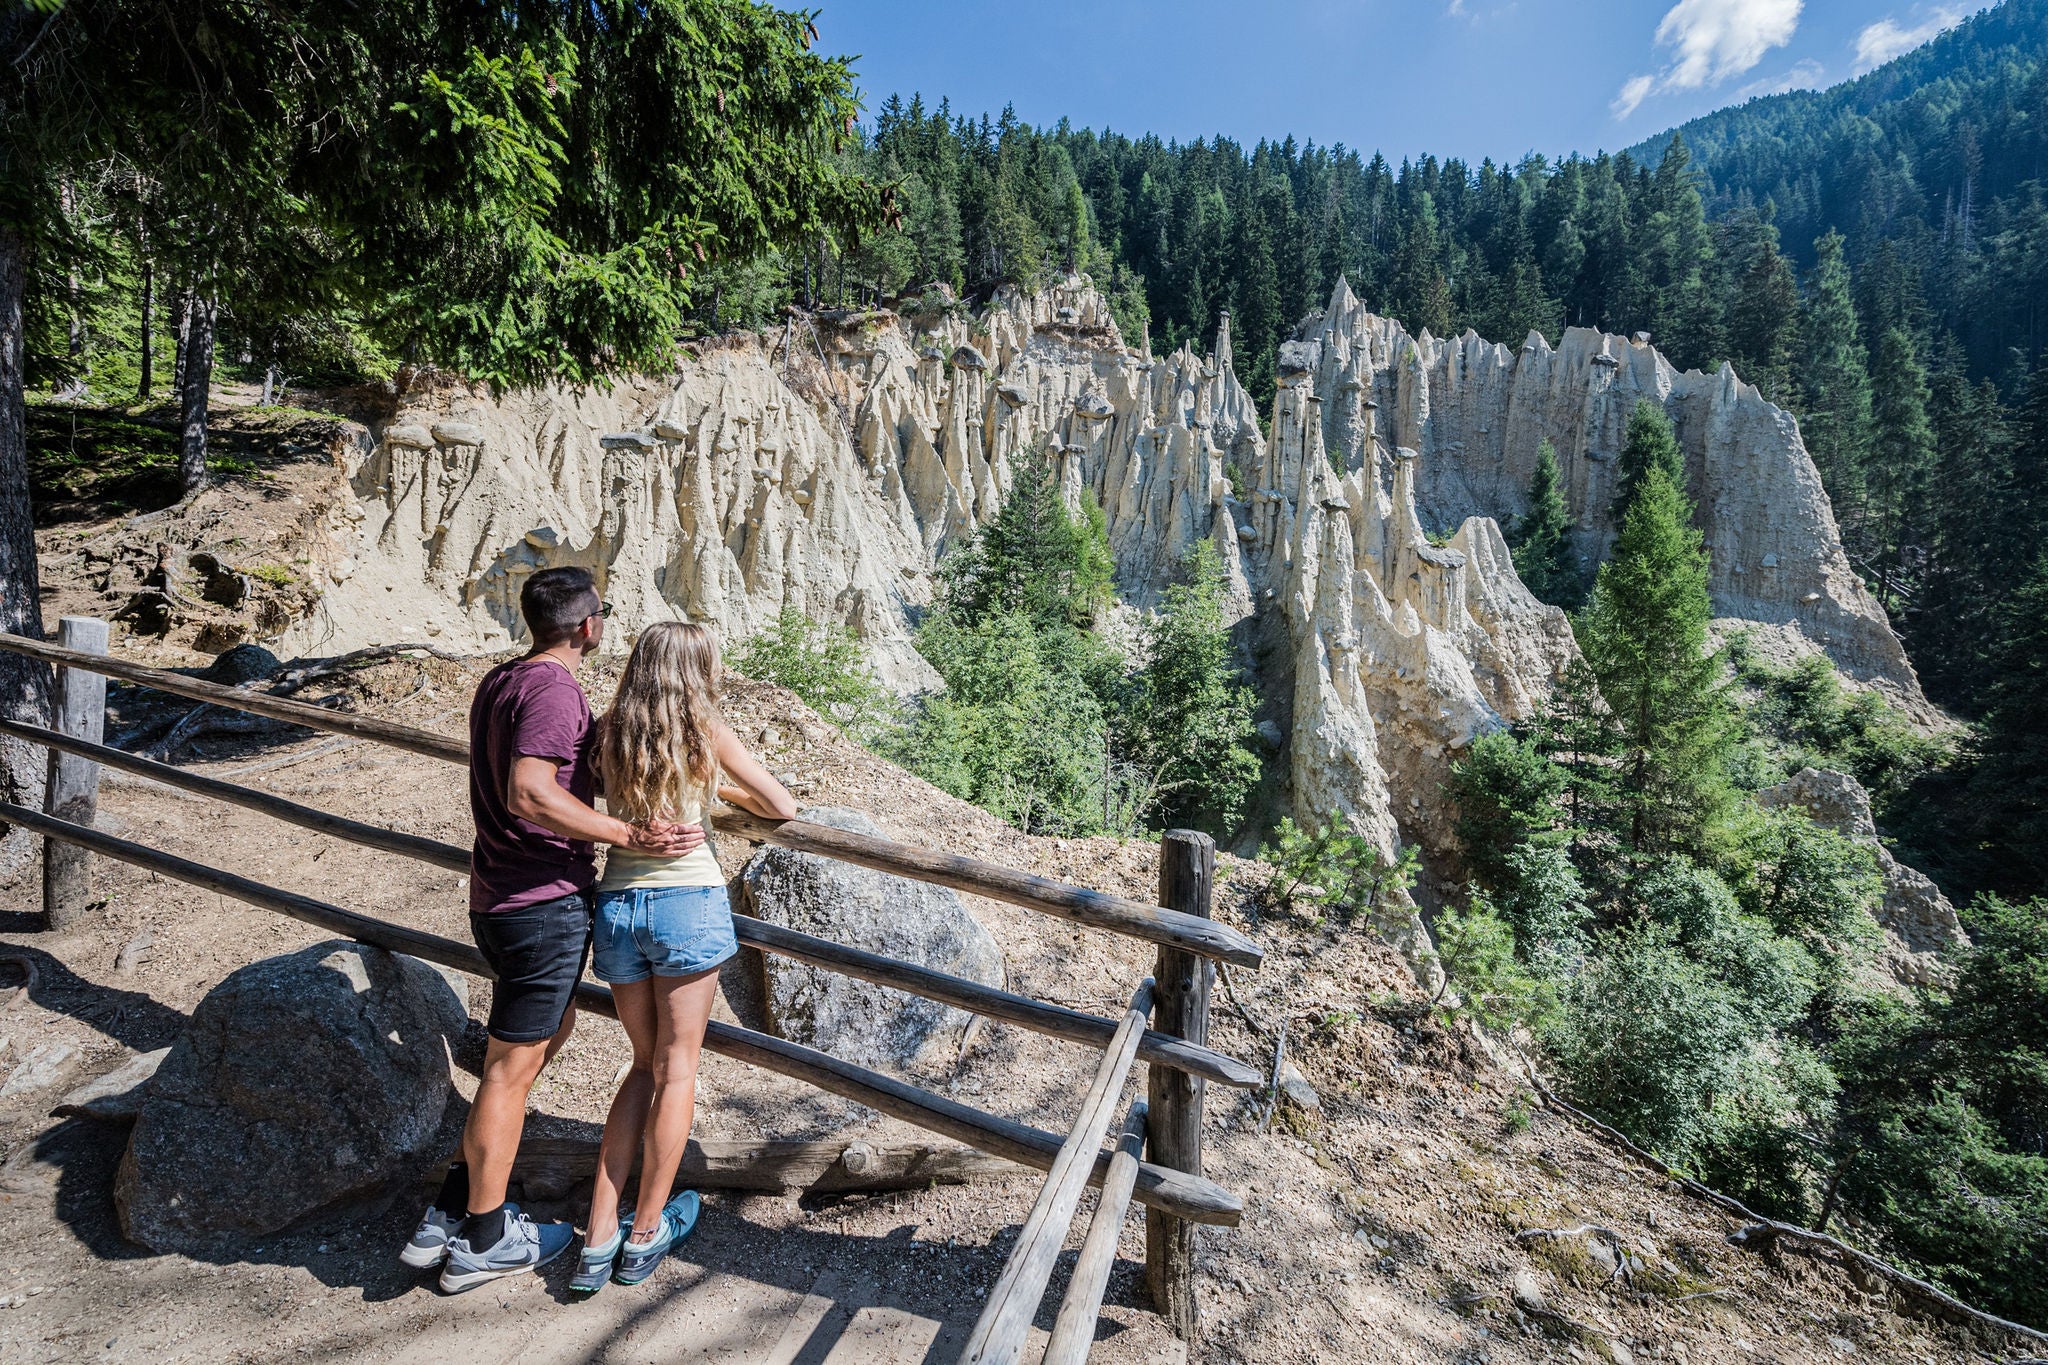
[661, 931]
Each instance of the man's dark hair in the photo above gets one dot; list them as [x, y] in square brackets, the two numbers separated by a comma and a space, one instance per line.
[556, 601]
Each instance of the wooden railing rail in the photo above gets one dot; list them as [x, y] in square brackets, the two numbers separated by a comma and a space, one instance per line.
[999, 1334]
[1096, 909]
[246, 699]
[1170, 1191]
[1073, 1333]
[431, 851]
[1056, 1021]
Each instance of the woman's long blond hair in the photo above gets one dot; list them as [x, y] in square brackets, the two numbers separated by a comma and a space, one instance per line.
[655, 744]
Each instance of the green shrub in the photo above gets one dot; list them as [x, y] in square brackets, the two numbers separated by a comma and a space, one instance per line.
[1806, 713]
[1476, 949]
[1332, 870]
[823, 664]
[1506, 791]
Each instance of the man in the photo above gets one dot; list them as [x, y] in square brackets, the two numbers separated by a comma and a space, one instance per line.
[532, 876]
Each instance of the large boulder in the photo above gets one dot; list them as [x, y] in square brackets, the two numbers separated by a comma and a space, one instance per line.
[910, 921]
[303, 1080]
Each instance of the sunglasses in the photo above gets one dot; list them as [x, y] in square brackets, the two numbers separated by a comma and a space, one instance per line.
[604, 609]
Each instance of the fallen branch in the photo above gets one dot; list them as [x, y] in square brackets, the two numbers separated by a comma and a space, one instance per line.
[1273, 1084]
[310, 671]
[1759, 1224]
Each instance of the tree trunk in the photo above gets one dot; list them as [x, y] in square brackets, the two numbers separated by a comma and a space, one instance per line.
[192, 401]
[183, 312]
[269, 384]
[76, 350]
[24, 683]
[147, 380]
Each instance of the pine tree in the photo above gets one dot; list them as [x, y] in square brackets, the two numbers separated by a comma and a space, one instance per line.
[1835, 404]
[1901, 454]
[2009, 788]
[1763, 317]
[1422, 294]
[1649, 444]
[1543, 537]
[1644, 635]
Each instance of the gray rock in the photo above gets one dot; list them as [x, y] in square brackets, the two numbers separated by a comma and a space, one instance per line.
[668, 429]
[969, 358]
[1529, 1291]
[1094, 405]
[303, 1080]
[1295, 1089]
[242, 664]
[117, 1096]
[43, 1066]
[626, 440]
[910, 921]
[410, 435]
[458, 433]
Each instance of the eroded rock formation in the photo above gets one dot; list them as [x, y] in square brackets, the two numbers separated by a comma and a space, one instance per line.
[830, 465]
[1476, 411]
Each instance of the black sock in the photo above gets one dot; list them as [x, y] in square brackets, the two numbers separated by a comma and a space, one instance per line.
[454, 1195]
[485, 1230]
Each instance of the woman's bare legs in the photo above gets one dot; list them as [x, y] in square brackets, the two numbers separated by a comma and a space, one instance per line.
[628, 1116]
[682, 1006]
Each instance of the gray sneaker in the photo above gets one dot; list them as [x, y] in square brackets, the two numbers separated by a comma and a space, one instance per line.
[429, 1244]
[526, 1245]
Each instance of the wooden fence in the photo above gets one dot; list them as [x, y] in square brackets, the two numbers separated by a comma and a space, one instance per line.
[1165, 1024]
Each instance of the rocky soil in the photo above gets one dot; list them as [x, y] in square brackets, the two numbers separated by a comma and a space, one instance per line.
[1383, 1203]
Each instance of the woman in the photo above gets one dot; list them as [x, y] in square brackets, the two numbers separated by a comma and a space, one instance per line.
[663, 928]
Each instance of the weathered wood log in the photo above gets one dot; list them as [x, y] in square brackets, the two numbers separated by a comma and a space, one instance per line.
[243, 699]
[1187, 873]
[768, 1165]
[1186, 1197]
[1005, 1322]
[1073, 1333]
[72, 789]
[1195, 934]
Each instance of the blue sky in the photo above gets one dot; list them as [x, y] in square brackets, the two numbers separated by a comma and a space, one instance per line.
[1467, 78]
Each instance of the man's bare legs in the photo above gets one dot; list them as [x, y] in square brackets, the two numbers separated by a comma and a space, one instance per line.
[490, 1140]
[656, 1104]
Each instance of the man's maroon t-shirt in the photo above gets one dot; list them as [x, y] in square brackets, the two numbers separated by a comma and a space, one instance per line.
[529, 708]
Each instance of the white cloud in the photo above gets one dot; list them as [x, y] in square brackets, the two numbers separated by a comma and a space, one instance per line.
[1633, 92]
[1710, 42]
[1886, 39]
[1806, 74]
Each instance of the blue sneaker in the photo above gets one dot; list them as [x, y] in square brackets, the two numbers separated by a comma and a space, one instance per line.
[594, 1266]
[678, 1218]
[526, 1245]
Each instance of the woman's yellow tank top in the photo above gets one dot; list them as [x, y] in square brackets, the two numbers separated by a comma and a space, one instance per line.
[624, 869]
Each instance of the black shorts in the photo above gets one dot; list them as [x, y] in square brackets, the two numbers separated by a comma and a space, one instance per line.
[537, 952]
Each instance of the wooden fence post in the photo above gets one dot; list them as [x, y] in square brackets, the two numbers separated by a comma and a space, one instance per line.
[73, 792]
[1187, 875]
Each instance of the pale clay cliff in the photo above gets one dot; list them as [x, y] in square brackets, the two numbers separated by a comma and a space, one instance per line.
[829, 467]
